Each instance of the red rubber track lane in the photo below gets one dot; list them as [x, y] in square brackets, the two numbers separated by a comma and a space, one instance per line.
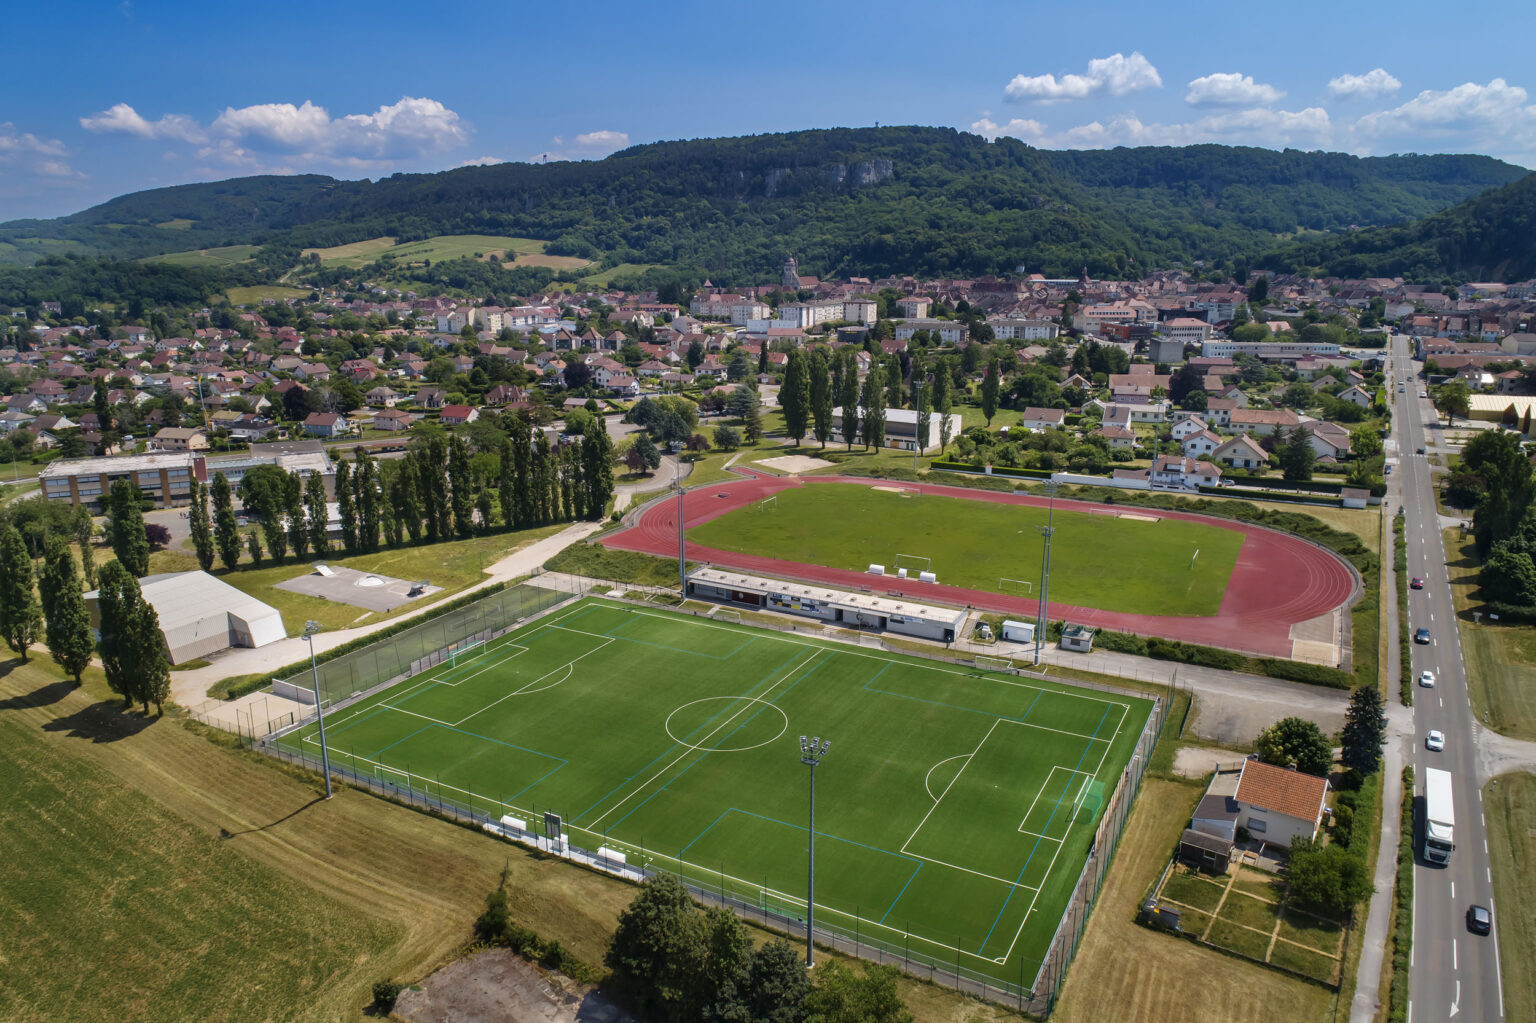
[1278, 579]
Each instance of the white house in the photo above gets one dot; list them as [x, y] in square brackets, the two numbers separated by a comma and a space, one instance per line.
[1180, 473]
[1329, 440]
[1187, 427]
[1201, 444]
[1241, 452]
[1035, 419]
[1356, 395]
[1276, 804]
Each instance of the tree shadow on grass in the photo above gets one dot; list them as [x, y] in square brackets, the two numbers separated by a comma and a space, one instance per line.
[106, 721]
[42, 696]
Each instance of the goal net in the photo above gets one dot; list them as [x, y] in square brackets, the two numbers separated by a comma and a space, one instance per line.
[1090, 798]
[728, 614]
[913, 563]
[1017, 587]
[458, 651]
[993, 663]
[769, 503]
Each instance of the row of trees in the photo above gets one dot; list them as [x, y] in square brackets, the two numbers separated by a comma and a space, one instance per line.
[817, 382]
[674, 961]
[439, 491]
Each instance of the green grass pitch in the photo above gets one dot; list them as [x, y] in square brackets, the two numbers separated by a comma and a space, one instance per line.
[953, 811]
[1100, 561]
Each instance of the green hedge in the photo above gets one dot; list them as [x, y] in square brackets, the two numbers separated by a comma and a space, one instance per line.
[1311, 674]
[1402, 931]
[950, 465]
[1194, 653]
[1404, 651]
[1277, 495]
[261, 682]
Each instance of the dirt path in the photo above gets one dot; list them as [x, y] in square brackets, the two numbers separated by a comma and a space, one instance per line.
[497, 985]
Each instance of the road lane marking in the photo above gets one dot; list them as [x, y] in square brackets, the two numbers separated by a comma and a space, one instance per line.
[1456, 1002]
[1453, 898]
[1454, 965]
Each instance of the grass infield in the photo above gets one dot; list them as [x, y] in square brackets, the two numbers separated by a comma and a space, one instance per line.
[1129, 564]
[954, 809]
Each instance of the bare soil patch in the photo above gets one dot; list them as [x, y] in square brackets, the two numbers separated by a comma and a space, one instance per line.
[496, 985]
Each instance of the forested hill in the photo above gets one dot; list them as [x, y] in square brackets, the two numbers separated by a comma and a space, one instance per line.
[1489, 238]
[845, 201]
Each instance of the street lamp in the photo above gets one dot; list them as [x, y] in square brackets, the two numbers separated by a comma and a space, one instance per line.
[1047, 531]
[811, 752]
[682, 557]
[310, 628]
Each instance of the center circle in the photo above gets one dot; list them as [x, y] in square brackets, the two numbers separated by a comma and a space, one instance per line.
[701, 721]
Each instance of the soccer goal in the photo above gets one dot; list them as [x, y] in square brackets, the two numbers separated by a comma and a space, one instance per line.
[993, 663]
[1016, 587]
[727, 614]
[457, 652]
[913, 563]
[768, 504]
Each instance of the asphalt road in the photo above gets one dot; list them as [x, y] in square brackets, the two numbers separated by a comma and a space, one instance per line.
[1454, 973]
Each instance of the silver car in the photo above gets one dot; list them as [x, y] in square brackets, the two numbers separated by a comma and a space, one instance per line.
[1435, 740]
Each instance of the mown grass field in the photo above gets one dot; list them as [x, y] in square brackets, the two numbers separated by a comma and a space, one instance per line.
[1509, 803]
[227, 255]
[954, 811]
[152, 875]
[1501, 659]
[441, 247]
[603, 278]
[255, 293]
[453, 565]
[1114, 564]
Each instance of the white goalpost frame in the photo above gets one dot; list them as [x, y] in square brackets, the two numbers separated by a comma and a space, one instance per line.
[727, 614]
[986, 663]
[453, 655]
[769, 503]
[1029, 587]
[926, 565]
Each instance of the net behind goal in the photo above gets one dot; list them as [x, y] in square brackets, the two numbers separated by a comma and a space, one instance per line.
[728, 614]
[993, 663]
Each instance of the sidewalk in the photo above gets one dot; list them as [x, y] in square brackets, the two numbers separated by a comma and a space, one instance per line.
[190, 688]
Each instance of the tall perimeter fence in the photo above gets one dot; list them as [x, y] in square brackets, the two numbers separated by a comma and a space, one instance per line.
[359, 674]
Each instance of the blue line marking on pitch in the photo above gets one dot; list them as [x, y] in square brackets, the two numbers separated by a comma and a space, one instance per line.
[903, 890]
[676, 649]
[801, 827]
[1040, 837]
[972, 710]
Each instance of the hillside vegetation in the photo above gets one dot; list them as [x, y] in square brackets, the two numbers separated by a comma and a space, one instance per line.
[877, 201]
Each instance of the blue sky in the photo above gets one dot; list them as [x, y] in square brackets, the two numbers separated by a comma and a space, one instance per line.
[104, 98]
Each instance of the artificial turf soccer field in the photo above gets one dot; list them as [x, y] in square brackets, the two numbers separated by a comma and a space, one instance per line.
[953, 812]
[1131, 564]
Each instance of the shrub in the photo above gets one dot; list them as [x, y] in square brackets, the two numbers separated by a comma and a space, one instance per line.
[385, 992]
[1311, 674]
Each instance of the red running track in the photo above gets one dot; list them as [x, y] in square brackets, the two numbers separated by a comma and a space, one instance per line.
[1278, 579]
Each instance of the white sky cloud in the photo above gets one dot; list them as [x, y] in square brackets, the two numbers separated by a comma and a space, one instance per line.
[1467, 105]
[1115, 75]
[1258, 126]
[1376, 82]
[591, 145]
[411, 127]
[14, 143]
[124, 119]
[1229, 88]
[483, 161]
[28, 157]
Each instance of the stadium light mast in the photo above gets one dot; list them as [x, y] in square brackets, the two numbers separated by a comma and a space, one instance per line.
[811, 752]
[310, 628]
[1047, 531]
[682, 560]
[917, 411]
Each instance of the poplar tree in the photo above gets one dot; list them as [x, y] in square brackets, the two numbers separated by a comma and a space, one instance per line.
[538, 480]
[924, 406]
[253, 545]
[21, 615]
[128, 540]
[389, 519]
[316, 515]
[68, 623]
[795, 397]
[226, 530]
[346, 508]
[370, 503]
[506, 492]
[873, 425]
[436, 476]
[849, 396]
[461, 485]
[597, 467]
[298, 529]
[112, 606]
[823, 397]
[83, 530]
[522, 471]
[197, 521]
[895, 392]
[989, 391]
[943, 399]
[403, 496]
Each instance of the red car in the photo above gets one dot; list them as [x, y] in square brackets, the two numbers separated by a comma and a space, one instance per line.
[1416, 583]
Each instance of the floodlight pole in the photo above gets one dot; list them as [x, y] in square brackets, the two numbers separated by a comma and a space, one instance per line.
[682, 560]
[310, 628]
[1047, 531]
[917, 408]
[811, 752]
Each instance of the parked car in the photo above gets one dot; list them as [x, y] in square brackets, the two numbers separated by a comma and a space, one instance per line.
[1416, 583]
[1421, 636]
[1479, 920]
[1427, 678]
[1435, 740]
[1421, 451]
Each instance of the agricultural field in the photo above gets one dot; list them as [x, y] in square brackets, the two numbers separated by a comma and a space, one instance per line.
[513, 251]
[1135, 564]
[954, 808]
[255, 293]
[227, 255]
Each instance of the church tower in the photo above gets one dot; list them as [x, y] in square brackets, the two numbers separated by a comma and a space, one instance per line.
[790, 280]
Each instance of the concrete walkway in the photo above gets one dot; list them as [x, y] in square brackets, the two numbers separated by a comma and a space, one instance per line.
[661, 479]
[190, 688]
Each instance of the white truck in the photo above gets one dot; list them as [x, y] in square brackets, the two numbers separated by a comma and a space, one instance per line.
[1439, 816]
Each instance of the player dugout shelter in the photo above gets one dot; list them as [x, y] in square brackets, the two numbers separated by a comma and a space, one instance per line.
[855, 610]
[201, 615]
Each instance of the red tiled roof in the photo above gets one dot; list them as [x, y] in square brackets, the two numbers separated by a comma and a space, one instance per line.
[1278, 788]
